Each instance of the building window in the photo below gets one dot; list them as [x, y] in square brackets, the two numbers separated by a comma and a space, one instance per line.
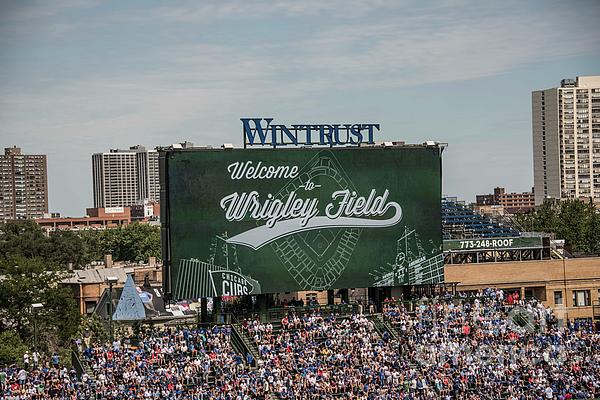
[90, 306]
[558, 298]
[581, 298]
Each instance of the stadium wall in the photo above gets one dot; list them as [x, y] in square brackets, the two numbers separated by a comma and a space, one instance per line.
[560, 284]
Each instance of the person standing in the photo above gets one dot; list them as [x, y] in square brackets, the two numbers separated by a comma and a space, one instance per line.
[3, 377]
[26, 360]
[22, 376]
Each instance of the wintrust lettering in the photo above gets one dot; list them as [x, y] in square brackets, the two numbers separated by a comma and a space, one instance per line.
[262, 132]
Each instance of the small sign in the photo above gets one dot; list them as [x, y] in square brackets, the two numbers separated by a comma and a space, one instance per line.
[231, 283]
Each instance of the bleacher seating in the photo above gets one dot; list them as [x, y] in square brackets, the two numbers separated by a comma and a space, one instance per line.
[461, 222]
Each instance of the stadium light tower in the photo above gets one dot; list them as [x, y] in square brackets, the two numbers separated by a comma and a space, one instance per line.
[111, 280]
[35, 308]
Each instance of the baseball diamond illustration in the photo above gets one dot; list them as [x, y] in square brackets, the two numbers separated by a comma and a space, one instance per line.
[316, 259]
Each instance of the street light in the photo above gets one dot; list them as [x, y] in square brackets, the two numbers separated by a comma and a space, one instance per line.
[111, 280]
[35, 307]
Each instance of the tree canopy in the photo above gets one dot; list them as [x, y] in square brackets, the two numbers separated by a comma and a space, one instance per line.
[575, 221]
[31, 266]
[26, 281]
[134, 242]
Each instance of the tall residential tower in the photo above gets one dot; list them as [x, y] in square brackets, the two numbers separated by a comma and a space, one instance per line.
[23, 185]
[566, 140]
[125, 177]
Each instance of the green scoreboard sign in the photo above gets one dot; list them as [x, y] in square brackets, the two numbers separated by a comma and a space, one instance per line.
[500, 243]
[239, 222]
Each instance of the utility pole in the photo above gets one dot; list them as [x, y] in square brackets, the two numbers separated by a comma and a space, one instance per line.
[111, 280]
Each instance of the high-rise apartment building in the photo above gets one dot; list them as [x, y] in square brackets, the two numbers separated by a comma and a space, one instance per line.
[23, 185]
[566, 140]
[148, 179]
[125, 177]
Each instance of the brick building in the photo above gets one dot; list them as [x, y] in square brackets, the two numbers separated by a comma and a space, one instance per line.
[96, 218]
[512, 203]
[87, 285]
[571, 287]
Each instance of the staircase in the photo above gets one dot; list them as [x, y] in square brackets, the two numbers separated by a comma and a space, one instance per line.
[81, 367]
[243, 344]
[382, 326]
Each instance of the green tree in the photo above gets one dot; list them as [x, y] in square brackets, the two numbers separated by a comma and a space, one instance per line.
[22, 238]
[60, 313]
[92, 245]
[575, 221]
[66, 248]
[592, 232]
[12, 348]
[32, 280]
[570, 224]
[94, 327]
[545, 217]
[134, 242]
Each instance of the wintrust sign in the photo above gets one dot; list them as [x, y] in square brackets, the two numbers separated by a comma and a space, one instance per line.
[262, 132]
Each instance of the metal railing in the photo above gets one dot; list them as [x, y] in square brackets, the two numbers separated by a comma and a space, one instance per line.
[77, 364]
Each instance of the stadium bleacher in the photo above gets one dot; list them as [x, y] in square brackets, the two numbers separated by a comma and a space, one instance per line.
[461, 222]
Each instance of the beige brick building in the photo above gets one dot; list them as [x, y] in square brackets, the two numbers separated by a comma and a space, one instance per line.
[571, 287]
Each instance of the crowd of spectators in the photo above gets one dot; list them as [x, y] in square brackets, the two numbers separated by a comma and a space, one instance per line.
[39, 382]
[490, 346]
[484, 347]
[163, 364]
[496, 347]
[171, 363]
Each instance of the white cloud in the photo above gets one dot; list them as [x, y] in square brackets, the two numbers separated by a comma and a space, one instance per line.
[399, 53]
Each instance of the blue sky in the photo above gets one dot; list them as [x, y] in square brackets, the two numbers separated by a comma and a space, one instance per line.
[78, 77]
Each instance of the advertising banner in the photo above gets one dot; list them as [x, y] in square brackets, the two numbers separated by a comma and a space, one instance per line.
[263, 221]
